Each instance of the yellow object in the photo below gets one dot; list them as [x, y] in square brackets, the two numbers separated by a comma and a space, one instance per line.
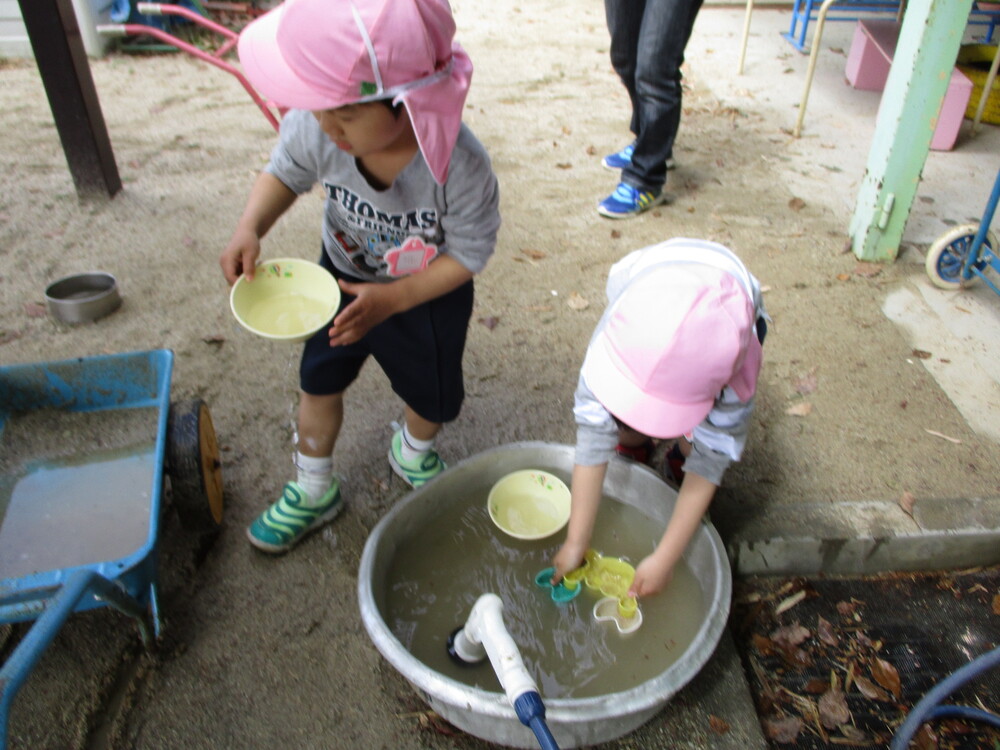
[529, 504]
[974, 61]
[611, 577]
[289, 299]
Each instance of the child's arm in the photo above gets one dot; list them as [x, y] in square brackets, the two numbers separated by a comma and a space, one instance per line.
[586, 487]
[374, 303]
[269, 198]
[656, 570]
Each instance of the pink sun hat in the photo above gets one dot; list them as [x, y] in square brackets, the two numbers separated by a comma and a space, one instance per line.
[668, 345]
[323, 54]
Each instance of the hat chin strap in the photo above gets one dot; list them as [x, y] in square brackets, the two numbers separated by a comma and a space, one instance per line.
[395, 92]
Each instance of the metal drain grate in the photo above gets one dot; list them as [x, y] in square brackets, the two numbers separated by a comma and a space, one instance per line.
[881, 642]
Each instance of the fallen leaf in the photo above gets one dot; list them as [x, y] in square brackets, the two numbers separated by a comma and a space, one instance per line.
[801, 409]
[763, 644]
[885, 674]
[591, 151]
[941, 435]
[806, 384]
[833, 709]
[576, 302]
[564, 165]
[870, 690]
[533, 254]
[854, 734]
[867, 270]
[490, 322]
[846, 609]
[717, 725]
[816, 686]
[825, 632]
[790, 635]
[790, 602]
[783, 730]
[921, 354]
[843, 277]
[214, 340]
[926, 739]
[906, 502]
[796, 204]
[615, 234]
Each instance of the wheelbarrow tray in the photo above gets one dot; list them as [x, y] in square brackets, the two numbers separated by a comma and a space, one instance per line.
[131, 386]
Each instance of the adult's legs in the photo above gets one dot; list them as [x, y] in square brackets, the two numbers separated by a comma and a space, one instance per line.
[624, 18]
[663, 34]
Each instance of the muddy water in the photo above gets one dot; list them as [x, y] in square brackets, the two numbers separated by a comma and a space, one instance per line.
[75, 488]
[435, 579]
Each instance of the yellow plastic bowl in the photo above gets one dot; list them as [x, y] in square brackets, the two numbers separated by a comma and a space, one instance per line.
[529, 504]
[289, 299]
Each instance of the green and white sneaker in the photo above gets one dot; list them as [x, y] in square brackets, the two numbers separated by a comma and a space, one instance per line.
[414, 473]
[286, 522]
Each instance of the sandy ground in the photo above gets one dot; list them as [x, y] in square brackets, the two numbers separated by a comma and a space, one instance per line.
[271, 652]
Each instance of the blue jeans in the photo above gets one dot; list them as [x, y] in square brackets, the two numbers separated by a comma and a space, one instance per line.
[648, 38]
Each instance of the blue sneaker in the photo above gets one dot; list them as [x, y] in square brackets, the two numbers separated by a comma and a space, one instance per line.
[628, 201]
[414, 473]
[286, 522]
[621, 159]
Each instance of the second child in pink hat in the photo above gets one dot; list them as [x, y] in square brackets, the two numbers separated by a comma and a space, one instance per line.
[675, 355]
[375, 91]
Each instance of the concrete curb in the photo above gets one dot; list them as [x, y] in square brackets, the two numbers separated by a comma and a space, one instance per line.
[860, 538]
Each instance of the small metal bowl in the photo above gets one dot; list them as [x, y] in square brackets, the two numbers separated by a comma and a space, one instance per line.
[83, 297]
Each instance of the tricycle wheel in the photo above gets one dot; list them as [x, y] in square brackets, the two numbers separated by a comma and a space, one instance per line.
[194, 466]
[947, 255]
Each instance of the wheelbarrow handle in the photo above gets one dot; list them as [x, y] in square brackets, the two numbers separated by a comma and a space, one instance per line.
[81, 583]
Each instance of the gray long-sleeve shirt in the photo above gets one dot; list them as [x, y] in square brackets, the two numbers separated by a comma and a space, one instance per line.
[379, 235]
[721, 436]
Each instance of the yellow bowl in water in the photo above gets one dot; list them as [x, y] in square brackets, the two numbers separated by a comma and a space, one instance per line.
[289, 299]
[529, 504]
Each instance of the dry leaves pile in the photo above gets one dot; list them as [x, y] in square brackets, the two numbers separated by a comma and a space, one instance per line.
[822, 677]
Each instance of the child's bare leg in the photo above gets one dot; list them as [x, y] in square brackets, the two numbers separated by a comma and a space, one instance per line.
[412, 455]
[320, 418]
[419, 427]
[313, 498]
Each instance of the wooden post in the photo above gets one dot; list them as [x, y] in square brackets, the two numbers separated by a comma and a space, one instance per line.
[62, 62]
[921, 69]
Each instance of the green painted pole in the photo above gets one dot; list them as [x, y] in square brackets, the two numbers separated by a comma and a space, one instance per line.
[925, 55]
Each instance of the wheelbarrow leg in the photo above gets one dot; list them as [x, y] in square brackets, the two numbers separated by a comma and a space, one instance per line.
[16, 669]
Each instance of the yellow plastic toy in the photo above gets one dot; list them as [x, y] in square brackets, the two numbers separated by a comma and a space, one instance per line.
[610, 577]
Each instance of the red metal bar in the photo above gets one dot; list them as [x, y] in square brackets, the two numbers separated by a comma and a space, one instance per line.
[138, 29]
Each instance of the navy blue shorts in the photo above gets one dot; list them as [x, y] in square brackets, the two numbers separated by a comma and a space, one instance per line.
[419, 350]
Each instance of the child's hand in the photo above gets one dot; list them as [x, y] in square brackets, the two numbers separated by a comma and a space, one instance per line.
[568, 558]
[651, 577]
[240, 255]
[372, 304]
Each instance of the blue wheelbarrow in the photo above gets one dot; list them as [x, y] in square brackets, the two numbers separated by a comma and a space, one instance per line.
[85, 447]
[962, 255]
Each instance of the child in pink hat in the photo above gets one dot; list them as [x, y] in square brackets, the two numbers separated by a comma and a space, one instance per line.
[675, 355]
[375, 91]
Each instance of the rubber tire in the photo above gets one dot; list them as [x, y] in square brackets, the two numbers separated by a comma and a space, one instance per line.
[947, 255]
[194, 467]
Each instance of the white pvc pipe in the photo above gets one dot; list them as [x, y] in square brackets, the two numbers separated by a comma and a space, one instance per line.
[485, 631]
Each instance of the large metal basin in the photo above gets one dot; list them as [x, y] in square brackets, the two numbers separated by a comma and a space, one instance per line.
[573, 722]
